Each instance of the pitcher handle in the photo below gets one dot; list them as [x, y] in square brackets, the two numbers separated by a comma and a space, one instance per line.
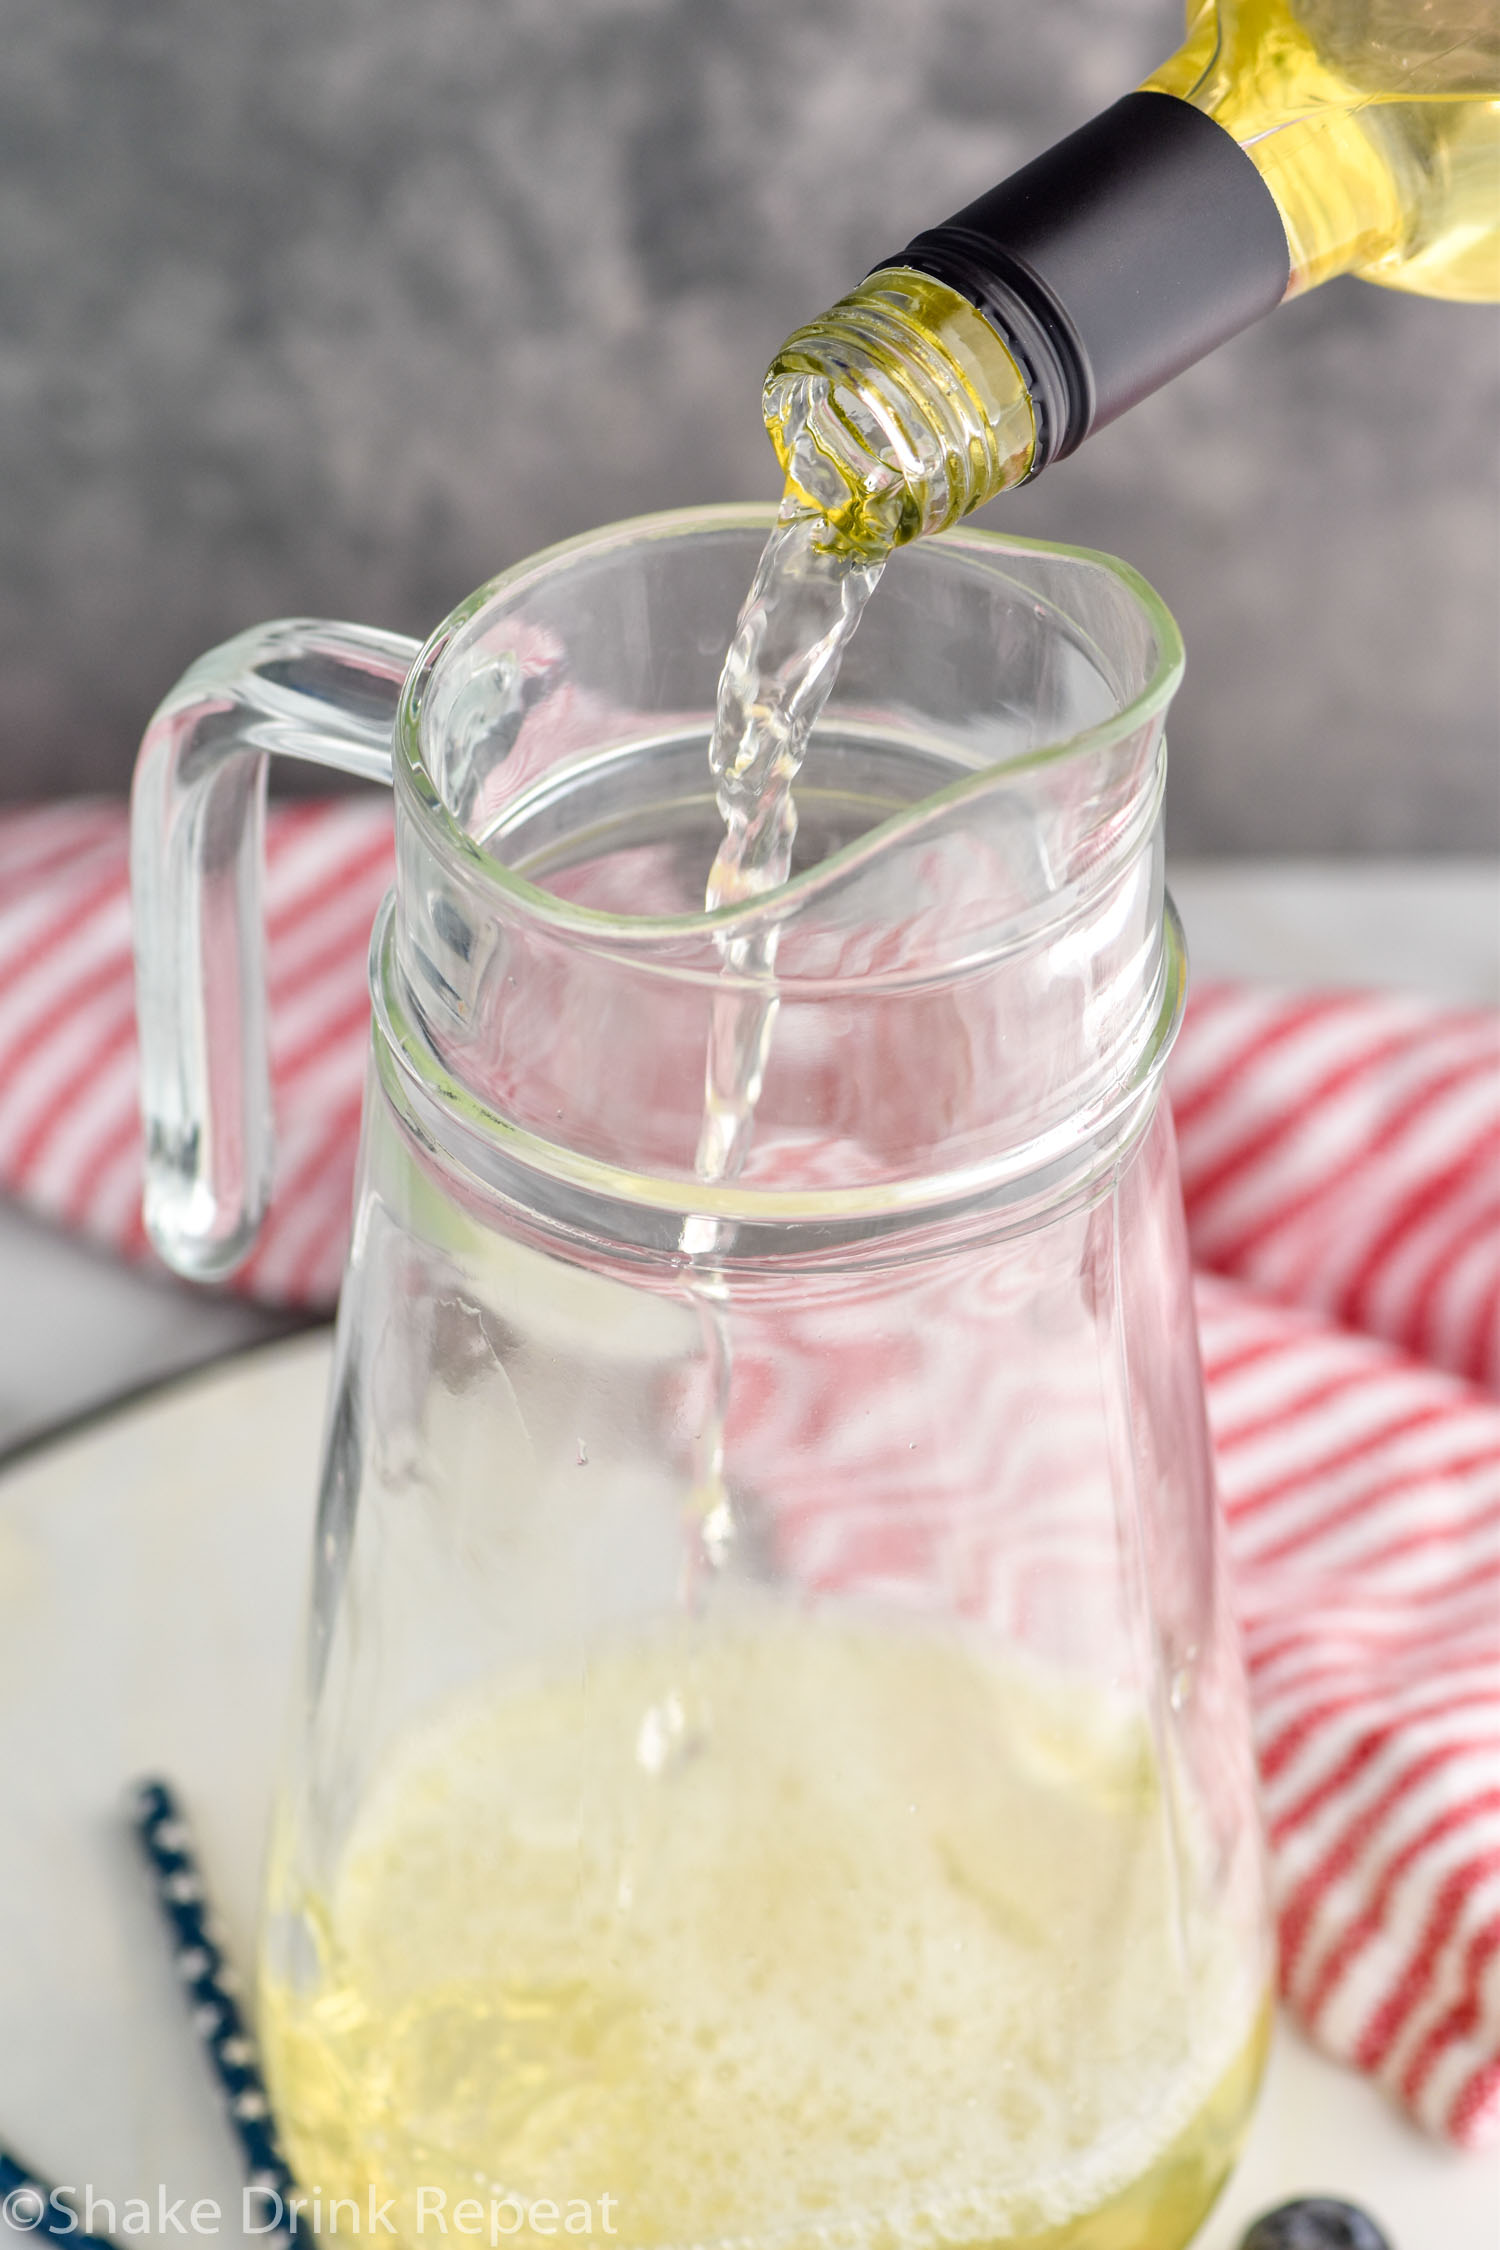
[324, 692]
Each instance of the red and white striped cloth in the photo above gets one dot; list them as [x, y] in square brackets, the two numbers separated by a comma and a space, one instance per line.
[1341, 1162]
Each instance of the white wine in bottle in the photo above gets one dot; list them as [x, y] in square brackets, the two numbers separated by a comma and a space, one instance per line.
[1285, 142]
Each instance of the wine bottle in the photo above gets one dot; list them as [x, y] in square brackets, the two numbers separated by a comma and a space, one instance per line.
[1286, 141]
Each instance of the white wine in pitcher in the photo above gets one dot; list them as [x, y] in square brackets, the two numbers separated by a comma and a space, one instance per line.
[797, 1934]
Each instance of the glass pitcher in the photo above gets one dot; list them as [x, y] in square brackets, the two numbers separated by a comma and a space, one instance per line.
[772, 1766]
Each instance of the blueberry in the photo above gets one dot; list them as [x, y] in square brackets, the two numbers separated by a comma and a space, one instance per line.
[1315, 2223]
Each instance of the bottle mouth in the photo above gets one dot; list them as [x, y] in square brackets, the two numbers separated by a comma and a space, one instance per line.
[898, 411]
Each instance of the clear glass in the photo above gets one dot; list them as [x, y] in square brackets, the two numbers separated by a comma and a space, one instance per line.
[772, 1765]
[322, 692]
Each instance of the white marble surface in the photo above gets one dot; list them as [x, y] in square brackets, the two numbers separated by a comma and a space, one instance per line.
[77, 1329]
[150, 1585]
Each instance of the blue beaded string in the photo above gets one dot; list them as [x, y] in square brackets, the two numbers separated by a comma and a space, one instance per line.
[210, 1986]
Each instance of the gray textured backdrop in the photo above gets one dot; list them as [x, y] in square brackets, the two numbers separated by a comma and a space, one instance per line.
[338, 305]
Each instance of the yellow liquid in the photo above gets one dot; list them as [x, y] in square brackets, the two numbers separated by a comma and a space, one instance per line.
[1375, 124]
[786, 1935]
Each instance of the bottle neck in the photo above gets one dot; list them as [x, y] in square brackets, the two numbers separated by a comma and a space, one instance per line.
[996, 342]
[898, 411]
[1115, 260]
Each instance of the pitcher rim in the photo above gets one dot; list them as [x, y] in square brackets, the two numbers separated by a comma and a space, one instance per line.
[415, 782]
